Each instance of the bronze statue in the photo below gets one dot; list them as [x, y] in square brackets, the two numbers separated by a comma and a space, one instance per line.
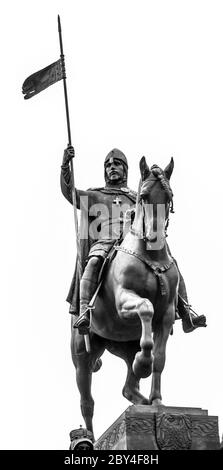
[116, 173]
[139, 294]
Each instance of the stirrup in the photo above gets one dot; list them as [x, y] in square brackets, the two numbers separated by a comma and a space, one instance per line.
[191, 323]
[83, 323]
[191, 320]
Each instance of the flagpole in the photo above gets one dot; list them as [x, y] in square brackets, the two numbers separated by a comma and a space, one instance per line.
[74, 198]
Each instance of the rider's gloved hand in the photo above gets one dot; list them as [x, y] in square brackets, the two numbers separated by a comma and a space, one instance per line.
[68, 155]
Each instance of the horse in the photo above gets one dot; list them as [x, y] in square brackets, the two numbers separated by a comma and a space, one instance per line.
[136, 304]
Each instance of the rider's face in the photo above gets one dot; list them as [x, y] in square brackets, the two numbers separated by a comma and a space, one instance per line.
[83, 446]
[114, 170]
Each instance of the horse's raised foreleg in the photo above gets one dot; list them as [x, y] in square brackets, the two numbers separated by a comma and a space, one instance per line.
[161, 334]
[142, 365]
[131, 306]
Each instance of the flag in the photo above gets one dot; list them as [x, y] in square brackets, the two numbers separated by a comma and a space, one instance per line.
[38, 81]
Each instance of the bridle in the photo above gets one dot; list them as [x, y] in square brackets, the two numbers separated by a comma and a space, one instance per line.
[169, 205]
[159, 269]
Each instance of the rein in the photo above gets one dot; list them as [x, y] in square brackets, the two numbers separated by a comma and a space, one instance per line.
[138, 234]
[142, 234]
[158, 270]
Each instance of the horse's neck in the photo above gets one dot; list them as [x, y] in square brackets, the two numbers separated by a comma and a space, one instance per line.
[133, 243]
[134, 240]
[138, 220]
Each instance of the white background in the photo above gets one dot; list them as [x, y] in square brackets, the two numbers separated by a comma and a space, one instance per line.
[144, 76]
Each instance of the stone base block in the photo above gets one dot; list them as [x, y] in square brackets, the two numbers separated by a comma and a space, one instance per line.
[143, 427]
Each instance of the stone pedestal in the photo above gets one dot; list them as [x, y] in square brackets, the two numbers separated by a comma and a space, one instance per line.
[143, 427]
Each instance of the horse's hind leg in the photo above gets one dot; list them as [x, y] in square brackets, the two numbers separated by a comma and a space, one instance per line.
[161, 334]
[83, 378]
[85, 365]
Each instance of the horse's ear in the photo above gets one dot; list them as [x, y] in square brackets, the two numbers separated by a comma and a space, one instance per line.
[169, 169]
[144, 169]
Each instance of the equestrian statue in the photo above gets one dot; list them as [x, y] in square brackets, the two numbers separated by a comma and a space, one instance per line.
[130, 291]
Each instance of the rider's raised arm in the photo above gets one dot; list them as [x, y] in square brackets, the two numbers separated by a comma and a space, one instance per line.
[66, 182]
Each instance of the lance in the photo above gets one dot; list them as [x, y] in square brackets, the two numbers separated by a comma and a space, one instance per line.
[74, 197]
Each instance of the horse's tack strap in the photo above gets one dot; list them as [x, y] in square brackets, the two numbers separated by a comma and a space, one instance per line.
[158, 270]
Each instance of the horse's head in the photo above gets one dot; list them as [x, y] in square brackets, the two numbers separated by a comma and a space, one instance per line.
[156, 198]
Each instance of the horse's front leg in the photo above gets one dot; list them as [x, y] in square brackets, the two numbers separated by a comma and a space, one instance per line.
[130, 306]
[161, 334]
[127, 351]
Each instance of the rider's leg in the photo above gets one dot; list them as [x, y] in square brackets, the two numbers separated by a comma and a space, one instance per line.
[88, 285]
[190, 321]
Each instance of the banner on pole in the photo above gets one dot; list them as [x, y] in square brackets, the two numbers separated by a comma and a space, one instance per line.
[42, 79]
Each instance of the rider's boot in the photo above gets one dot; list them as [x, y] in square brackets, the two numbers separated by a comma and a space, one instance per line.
[83, 323]
[88, 286]
[190, 321]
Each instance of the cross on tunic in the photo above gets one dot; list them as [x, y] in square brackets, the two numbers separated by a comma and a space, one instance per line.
[117, 201]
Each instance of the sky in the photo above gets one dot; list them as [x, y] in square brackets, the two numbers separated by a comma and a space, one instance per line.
[145, 77]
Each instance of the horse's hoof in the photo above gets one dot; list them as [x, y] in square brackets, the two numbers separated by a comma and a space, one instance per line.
[134, 396]
[157, 402]
[97, 365]
[142, 366]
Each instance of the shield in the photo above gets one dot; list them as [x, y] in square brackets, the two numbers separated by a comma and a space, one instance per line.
[173, 431]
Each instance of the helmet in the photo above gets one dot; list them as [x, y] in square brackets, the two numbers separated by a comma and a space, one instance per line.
[119, 155]
[81, 436]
